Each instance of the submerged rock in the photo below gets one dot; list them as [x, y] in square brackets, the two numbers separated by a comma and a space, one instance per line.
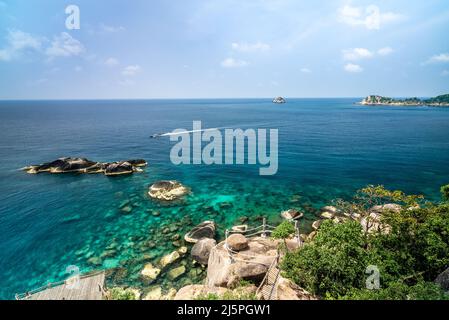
[150, 272]
[168, 190]
[169, 259]
[205, 229]
[83, 165]
[176, 272]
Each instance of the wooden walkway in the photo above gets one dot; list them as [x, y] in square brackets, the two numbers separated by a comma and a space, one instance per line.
[89, 287]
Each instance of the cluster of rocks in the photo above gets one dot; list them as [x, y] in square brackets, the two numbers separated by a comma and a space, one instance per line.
[250, 261]
[370, 223]
[168, 190]
[82, 165]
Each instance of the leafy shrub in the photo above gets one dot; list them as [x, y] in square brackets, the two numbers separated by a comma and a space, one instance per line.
[122, 294]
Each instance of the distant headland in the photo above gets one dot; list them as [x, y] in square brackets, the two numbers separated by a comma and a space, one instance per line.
[374, 100]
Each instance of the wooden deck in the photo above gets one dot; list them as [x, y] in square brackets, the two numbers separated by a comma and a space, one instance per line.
[90, 287]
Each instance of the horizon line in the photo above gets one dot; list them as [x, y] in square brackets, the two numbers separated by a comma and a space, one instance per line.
[220, 98]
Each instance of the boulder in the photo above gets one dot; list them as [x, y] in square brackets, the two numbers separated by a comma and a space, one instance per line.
[154, 294]
[291, 214]
[167, 190]
[176, 272]
[237, 242]
[201, 250]
[443, 280]
[169, 259]
[170, 294]
[279, 100]
[195, 291]
[287, 290]
[251, 263]
[393, 207]
[316, 224]
[240, 228]
[205, 229]
[330, 209]
[150, 272]
[137, 162]
[327, 215]
[118, 168]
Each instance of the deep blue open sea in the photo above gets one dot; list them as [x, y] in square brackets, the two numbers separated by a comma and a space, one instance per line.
[328, 148]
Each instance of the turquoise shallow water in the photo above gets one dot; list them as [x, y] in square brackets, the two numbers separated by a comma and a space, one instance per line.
[328, 148]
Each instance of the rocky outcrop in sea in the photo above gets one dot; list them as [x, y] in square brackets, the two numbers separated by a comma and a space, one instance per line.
[83, 165]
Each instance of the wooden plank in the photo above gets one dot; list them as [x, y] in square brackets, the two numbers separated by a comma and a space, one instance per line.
[88, 290]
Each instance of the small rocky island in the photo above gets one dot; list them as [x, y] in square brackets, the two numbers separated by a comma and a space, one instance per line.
[83, 165]
[279, 100]
[168, 190]
[374, 100]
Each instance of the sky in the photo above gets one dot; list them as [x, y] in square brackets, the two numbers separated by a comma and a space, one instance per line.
[140, 49]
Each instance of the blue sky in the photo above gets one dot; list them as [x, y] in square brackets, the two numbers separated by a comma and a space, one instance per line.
[224, 49]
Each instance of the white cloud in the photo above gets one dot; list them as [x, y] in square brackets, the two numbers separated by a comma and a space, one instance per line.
[78, 69]
[65, 45]
[439, 58]
[306, 70]
[357, 54]
[111, 29]
[130, 71]
[353, 68]
[445, 73]
[111, 62]
[370, 17]
[233, 63]
[385, 51]
[250, 47]
[17, 43]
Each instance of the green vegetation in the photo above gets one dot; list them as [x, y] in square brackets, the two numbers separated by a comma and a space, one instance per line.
[283, 231]
[410, 251]
[238, 294]
[122, 294]
[442, 100]
[445, 192]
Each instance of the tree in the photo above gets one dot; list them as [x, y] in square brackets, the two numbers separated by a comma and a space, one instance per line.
[283, 231]
[445, 192]
[409, 256]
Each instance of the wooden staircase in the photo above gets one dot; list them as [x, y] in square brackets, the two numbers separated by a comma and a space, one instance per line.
[268, 287]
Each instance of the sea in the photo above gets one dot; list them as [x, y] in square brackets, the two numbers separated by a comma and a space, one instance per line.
[328, 149]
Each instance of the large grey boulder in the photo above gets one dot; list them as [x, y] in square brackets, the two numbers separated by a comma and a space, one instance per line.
[201, 250]
[251, 263]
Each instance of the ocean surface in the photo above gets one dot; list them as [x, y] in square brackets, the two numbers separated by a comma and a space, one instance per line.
[328, 148]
